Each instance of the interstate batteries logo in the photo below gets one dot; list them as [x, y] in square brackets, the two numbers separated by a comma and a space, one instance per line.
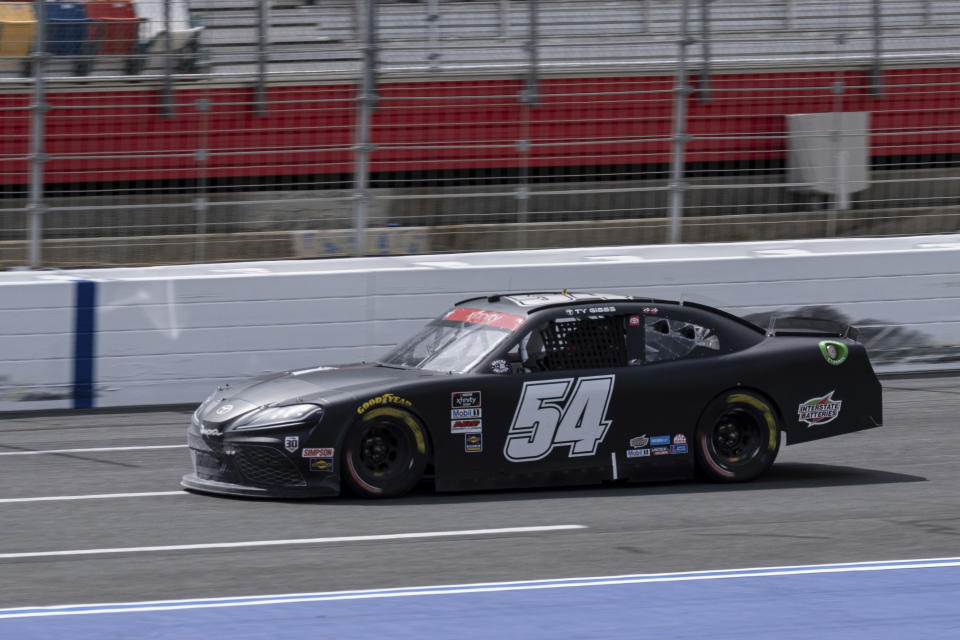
[819, 410]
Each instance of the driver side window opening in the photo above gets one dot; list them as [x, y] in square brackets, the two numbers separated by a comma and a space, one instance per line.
[589, 342]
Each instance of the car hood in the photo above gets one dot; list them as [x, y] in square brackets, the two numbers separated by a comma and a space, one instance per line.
[321, 385]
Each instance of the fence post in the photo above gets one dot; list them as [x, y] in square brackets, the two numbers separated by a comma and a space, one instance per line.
[368, 104]
[359, 6]
[531, 89]
[504, 18]
[263, 23]
[876, 69]
[38, 157]
[433, 31]
[681, 91]
[705, 94]
[168, 109]
[529, 97]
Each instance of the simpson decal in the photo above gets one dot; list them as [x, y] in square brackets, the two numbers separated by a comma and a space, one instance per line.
[325, 452]
[819, 410]
[462, 399]
[559, 413]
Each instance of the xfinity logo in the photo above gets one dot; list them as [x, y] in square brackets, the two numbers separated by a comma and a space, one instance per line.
[213, 433]
[224, 409]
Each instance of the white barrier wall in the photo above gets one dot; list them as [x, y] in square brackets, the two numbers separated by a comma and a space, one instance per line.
[171, 334]
[37, 330]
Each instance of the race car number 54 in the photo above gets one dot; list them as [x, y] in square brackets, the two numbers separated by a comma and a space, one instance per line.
[550, 415]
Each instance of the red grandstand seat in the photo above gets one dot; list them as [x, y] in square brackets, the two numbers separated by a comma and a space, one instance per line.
[117, 27]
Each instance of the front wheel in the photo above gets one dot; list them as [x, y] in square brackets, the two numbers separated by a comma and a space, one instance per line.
[737, 437]
[384, 454]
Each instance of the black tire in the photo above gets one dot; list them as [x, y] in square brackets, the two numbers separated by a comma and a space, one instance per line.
[384, 454]
[738, 437]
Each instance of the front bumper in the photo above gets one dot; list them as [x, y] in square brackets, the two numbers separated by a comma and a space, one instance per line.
[251, 465]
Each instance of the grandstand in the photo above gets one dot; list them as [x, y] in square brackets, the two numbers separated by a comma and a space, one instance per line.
[486, 38]
[249, 125]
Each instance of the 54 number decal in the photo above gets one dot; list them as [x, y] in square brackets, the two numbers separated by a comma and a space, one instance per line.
[551, 415]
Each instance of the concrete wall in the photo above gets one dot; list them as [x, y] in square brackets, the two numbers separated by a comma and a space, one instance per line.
[37, 334]
[170, 334]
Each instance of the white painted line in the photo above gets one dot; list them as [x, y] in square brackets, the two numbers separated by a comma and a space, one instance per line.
[92, 450]
[481, 587]
[613, 461]
[95, 496]
[277, 543]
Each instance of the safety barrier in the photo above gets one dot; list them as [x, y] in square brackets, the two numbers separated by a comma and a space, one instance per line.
[162, 335]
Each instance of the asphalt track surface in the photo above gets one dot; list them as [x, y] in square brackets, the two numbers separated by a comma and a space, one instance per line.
[885, 494]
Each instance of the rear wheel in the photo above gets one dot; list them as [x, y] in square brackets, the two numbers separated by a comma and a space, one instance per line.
[384, 454]
[737, 437]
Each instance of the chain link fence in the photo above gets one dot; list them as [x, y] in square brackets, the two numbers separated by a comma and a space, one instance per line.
[168, 131]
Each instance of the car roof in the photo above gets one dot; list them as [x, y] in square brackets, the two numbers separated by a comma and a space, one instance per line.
[527, 303]
[532, 301]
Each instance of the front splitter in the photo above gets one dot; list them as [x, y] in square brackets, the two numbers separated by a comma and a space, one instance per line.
[193, 482]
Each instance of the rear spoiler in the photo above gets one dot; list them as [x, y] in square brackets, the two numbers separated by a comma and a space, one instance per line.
[801, 326]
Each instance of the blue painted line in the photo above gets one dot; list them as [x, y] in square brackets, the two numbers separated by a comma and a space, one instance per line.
[84, 343]
[476, 588]
[848, 605]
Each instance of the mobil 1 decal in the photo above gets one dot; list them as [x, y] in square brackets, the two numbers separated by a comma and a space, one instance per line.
[559, 413]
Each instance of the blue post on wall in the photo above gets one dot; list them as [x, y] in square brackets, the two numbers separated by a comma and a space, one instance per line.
[84, 343]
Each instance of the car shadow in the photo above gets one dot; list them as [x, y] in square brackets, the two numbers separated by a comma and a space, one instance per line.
[787, 475]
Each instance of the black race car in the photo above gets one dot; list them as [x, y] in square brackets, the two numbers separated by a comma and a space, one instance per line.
[539, 389]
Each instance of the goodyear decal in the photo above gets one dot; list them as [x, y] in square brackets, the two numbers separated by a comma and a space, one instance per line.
[385, 399]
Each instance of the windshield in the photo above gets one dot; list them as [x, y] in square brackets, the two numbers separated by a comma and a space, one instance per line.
[448, 344]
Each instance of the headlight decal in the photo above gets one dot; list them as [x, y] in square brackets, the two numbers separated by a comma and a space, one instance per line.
[270, 417]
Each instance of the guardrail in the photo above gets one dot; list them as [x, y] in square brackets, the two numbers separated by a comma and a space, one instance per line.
[163, 335]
